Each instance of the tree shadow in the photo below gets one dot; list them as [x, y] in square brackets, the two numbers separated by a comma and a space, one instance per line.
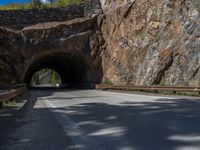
[12, 118]
[163, 124]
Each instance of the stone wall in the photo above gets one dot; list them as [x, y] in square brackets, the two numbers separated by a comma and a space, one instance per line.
[20, 18]
[17, 19]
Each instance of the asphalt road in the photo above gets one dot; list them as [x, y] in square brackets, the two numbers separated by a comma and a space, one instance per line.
[98, 120]
[1, 91]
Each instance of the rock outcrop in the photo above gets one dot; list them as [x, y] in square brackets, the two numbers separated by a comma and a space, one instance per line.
[151, 41]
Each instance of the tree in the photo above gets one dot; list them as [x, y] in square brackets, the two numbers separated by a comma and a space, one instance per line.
[37, 4]
[67, 2]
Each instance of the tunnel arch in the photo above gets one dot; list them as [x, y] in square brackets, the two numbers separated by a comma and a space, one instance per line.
[73, 68]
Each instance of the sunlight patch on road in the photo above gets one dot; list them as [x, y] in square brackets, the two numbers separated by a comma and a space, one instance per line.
[112, 131]
[188, 148]
[127, 148]
[94, 123]
[185, 138]
[24, 140]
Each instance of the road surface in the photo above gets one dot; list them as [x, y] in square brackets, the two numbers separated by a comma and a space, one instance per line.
[1, 91]
[98, 120]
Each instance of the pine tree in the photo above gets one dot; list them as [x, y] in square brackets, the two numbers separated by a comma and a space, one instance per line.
[37, 3]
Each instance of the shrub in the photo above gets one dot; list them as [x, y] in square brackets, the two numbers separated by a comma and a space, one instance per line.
[107, 82]
[15, 6]
[37, 4]
[67, 2]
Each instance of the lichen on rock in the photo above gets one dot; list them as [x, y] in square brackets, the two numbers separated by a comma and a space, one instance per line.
[151, 41]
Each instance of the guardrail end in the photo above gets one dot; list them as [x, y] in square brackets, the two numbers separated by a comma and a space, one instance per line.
[1, 104]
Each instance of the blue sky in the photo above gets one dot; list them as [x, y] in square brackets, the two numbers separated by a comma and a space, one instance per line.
[4, 2]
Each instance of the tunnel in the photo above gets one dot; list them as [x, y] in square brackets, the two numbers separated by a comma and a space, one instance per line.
[73, 69]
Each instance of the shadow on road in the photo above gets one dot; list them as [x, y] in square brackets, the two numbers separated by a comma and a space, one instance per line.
[164, 124]
[31, 128]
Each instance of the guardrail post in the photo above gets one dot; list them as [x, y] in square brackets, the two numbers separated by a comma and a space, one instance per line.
[1, 104]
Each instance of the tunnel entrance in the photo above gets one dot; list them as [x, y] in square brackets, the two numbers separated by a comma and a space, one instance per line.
[73, 69]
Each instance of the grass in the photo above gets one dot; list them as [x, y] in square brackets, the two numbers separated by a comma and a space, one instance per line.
[15, 6]
[58, 3]
[61, 3]
[55, 78]
[107, 82]
[10, 103]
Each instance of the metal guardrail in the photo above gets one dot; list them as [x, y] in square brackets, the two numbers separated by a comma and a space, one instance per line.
[7, 95]
[150, 88]
[12, 86]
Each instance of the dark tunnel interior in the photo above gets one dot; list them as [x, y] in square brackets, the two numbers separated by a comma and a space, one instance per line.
[72, 69]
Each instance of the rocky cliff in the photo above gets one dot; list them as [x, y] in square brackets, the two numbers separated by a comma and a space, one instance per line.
[151, 41]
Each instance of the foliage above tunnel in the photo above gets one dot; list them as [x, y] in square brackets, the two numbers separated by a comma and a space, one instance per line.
[38, 4]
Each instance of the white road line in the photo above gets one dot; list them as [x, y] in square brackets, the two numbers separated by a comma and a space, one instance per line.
[72, 130]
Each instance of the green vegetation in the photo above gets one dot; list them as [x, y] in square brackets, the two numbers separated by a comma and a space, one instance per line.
[10, 103]
[37, 4]
[15, 6]
[63, 3]
[107, 82]
[163, 84]
[55, 78]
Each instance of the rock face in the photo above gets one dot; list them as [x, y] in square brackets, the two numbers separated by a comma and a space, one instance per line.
[151, 41]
